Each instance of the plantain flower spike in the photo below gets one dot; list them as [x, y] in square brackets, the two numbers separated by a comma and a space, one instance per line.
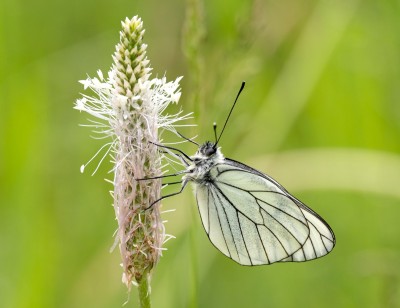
[129, 108]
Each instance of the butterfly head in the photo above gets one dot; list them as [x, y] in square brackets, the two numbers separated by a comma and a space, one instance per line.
[206, 157]
[207, 152]
[207, 149]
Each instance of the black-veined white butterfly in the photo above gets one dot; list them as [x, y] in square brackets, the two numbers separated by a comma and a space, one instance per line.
[247, 215]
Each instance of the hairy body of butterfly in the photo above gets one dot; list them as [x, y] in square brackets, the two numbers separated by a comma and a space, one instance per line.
[249, 216]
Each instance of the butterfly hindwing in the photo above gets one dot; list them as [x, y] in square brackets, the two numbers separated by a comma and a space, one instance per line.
[253, 220]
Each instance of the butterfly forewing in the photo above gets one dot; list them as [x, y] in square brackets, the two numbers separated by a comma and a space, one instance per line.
[321, 240]
[253, 220]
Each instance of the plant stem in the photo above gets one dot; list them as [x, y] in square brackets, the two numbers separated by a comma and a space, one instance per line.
[144, 292]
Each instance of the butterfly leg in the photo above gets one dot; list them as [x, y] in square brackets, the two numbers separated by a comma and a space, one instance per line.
[171, 148]
[184, 183]
[163, 176]
[188, 139]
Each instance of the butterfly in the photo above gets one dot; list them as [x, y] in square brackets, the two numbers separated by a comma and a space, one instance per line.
[247, 215]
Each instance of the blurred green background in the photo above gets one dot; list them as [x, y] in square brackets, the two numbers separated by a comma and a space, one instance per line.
[320, 113]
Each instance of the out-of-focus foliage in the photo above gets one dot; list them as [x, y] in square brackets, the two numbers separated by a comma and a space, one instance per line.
[320, 113]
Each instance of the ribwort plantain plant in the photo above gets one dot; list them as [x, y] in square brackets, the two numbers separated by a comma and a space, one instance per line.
[129, 109]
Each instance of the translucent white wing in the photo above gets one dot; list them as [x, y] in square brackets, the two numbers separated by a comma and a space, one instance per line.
[253, 220]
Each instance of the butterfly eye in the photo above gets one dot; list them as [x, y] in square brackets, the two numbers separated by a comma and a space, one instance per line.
[210, 151]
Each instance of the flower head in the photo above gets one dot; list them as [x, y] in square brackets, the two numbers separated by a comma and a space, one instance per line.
[129, 108]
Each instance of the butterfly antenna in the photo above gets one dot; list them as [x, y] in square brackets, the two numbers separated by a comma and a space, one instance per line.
[215, 132]
[230, 112]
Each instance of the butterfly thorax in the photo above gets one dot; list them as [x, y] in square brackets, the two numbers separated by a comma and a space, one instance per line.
[206, 157]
